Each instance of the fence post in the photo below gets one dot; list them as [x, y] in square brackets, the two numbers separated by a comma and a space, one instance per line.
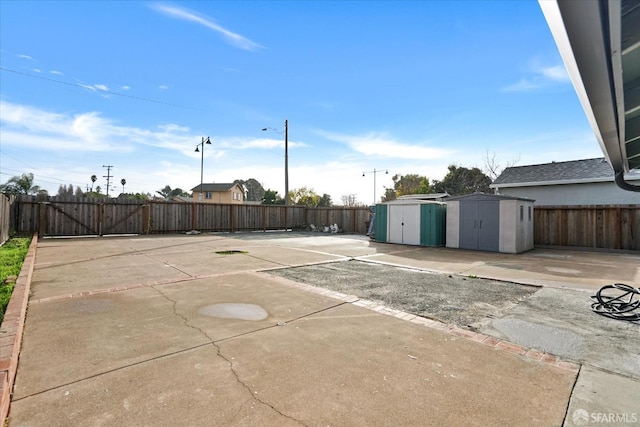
[232, 215]
[42, 220]
[146, 219]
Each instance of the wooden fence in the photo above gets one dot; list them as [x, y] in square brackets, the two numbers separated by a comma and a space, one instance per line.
[607, 227]
[90, 216]
[6, 202]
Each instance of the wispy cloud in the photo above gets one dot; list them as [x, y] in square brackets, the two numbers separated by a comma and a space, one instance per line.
[27, 57]
[56, 72]
[163, 87]
[379, 144]
[261, 143]
[29, 126]
[539, 77]
[232, 38]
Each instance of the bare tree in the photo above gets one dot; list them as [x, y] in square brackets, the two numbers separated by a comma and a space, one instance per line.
[492, 166]
[349, 200]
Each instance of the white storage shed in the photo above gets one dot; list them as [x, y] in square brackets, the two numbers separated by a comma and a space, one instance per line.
[490, 222]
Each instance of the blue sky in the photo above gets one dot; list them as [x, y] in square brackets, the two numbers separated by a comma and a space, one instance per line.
[408, 87]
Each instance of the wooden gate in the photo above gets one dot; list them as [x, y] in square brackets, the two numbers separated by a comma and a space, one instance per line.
[92, 218]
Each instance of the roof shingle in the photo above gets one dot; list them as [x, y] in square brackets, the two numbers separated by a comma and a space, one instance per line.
[586, 169]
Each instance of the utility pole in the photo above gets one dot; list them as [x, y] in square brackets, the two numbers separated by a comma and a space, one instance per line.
[108, 176]
[286, 162]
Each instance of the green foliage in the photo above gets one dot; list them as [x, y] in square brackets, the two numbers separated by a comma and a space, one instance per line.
[304, 196]
[325, 201]
[410, 184]
[131, 196]
[21, 185]
[167, 192]
[12, 255]
[460, 181]
[271, 197]
[253, 189]
[389, 195]
[67, 191]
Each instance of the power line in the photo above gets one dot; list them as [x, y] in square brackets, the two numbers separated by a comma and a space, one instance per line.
[35, 169]
[108, 176]
[138, 98]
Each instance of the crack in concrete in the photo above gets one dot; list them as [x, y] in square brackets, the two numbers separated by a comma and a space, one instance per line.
[219, 353]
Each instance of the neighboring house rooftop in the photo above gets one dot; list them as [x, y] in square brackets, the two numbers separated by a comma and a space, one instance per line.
[215, 187]
[571, 172]
[430, 196]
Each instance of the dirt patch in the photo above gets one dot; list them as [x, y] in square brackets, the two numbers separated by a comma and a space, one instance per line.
[463, 301]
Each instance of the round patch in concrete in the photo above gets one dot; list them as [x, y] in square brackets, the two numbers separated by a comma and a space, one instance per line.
[89, 305]
[231, 310]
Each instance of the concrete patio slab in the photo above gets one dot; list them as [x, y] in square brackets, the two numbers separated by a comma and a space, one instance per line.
[126, 331]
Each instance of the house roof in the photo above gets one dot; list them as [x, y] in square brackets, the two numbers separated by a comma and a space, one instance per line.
[600, 44]
[215, 187]
[431, 196]
[486, 196]
[587, 170]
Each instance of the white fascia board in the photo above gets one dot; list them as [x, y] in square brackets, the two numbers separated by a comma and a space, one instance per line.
[563, 182]
[554, 18]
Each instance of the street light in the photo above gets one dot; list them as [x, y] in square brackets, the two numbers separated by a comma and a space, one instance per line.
[374, 172]
[202, 162]
[286, 158]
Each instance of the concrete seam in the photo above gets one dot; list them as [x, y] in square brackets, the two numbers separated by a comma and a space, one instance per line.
[573, 387]
[223, 357]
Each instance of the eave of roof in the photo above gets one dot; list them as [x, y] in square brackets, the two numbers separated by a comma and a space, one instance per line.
[599, 42]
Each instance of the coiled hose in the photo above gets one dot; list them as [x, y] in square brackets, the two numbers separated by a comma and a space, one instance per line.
[617, 301]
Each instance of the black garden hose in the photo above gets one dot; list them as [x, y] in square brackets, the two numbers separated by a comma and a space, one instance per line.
[617, 301]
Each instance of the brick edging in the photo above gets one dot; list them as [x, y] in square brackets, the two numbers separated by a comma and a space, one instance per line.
[12, 327]
[496, 343]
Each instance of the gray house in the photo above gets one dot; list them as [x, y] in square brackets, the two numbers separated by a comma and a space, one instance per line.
[572, 183]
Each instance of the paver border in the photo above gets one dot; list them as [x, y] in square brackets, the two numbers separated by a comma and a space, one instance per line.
[12, 328]
[496, 343]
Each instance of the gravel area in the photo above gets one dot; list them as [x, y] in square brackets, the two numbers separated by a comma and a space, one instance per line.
[463, 301]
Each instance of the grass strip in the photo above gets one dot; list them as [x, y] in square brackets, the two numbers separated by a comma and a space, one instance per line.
[12, 255]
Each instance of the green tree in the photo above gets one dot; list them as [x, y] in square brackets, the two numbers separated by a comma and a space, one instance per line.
[325, 201]
[304, 196]
[21, 185]
[136, 196]
[460, 181]
[66, 190]
[167, 192]
[271, 197]
[410, 184]
[253, 189]
[389, 194]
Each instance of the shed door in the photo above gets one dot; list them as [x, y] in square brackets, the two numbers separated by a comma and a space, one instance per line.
[480, 225]
[404, 224]
[468, 224]
[489, 225]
